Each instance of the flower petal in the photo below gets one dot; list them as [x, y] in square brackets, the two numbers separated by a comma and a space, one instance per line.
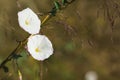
[29, 21]
[42, 44]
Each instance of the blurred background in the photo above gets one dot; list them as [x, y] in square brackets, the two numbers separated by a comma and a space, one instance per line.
[85, 36]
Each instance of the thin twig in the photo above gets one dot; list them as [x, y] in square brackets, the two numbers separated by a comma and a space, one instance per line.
[21, 44]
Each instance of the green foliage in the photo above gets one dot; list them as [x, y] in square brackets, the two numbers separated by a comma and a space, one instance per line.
[57, 5]
[70, 46]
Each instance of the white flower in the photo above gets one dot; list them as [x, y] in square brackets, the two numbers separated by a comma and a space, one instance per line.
[29, 21]
[91, 75]
[40, 47]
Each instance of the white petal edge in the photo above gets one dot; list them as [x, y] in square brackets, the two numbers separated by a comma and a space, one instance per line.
[35, 22]
[45, 45]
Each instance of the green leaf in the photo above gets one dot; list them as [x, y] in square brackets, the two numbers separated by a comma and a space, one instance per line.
[57, 5]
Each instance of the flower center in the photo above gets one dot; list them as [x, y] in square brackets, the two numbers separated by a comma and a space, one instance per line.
[37, 50]
[27, 22]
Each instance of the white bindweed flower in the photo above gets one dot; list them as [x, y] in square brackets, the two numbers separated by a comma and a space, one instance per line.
[91, 75]
[40, 47]
[29, 21]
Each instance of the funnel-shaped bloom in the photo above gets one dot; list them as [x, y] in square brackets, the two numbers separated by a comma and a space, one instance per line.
[40, 47]
[29, 21]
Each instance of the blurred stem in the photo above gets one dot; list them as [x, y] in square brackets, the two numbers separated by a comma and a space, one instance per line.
[41, 70]
[46, 18]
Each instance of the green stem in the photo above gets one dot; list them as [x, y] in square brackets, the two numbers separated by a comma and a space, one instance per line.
[16, 50]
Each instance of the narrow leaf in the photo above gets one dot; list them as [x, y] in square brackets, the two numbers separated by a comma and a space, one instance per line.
[57, 5]
[20, 75]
